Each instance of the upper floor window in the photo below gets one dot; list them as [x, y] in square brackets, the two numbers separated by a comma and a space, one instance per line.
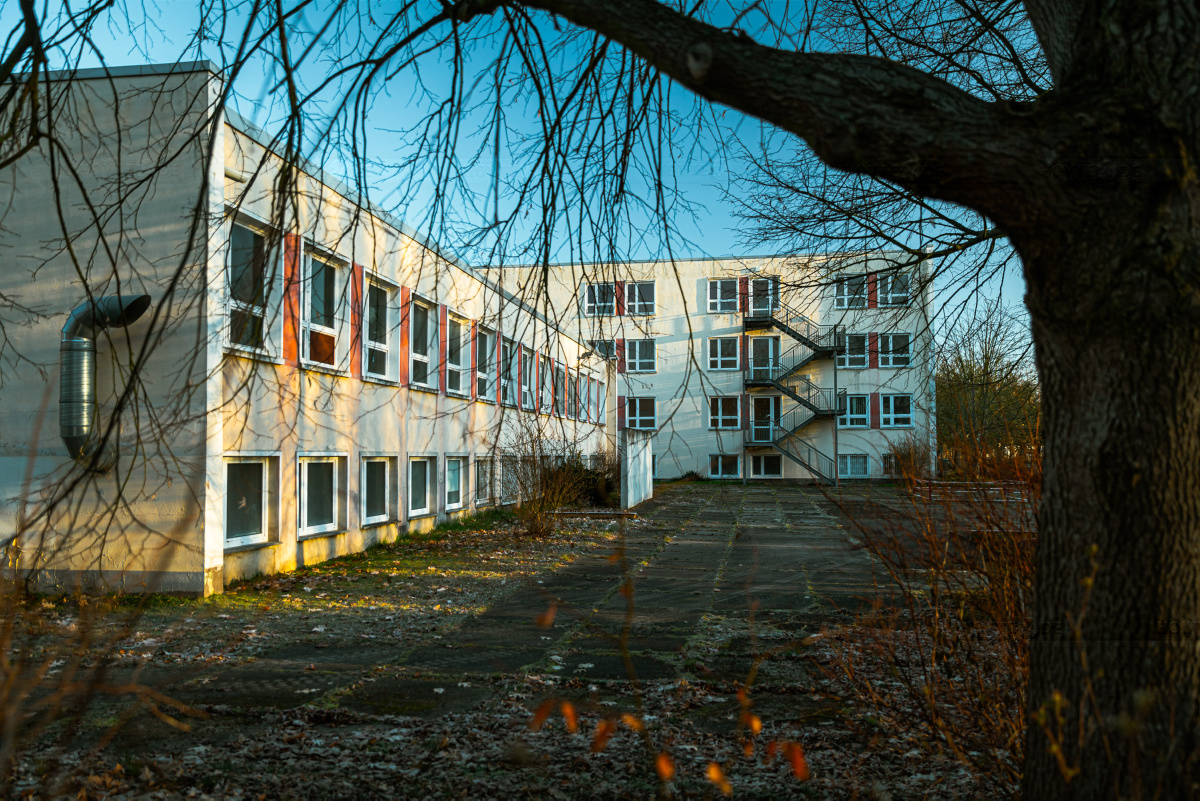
[639, 356]
[722, 295]
[723, 353]
[560, 391]
[601, 300]
[764, 295]
[640, 413]
[424, 344]
[852, 350]
[572, 394]
[604, 348]
[893, 289]
[895, 411]
[248, 280]
[723, 413]
[321, 307]
[854, 412]
[546, 399]
[526, 379]
[508, 372]
[485, 346]
[601, 403]
[851, 293]
[894, 350]
[380, 325]
[639, 297]
[458, 356]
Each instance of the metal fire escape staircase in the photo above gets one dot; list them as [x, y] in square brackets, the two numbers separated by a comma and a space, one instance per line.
[812, 403]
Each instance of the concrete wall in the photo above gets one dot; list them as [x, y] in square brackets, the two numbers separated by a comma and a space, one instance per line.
[637, 458]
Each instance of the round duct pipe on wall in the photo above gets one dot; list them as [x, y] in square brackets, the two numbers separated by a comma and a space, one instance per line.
[77, 373]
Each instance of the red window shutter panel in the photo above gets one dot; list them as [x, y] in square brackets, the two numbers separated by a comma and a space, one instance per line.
[872, 291]
[619, 292]
[872, 350]
[405, 308]
[874, 410]
[443, 324]
[620, 412]
[745, 411]
[474, 358]
[291, 300]
[743, 295]
[356, 320]
[620, 355]
[743, 353]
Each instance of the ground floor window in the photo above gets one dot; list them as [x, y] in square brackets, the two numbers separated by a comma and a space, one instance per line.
[454, 482]
[484, 481]
[890, 467]
[376, 490]
[768, 465]
[723, 466]
[509, 479]
[419, 473]
[245, 502]
[319, 495]
[853, 465]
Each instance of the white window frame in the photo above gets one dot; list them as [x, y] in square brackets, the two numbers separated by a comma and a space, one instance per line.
[388, 347]
[303, 461]
[850, 418]
[850, 292]
[889, 464]
[546, 386]
[271, 279]
[720, 460]
[593, 306]
[264, 463]
[463, 482]
[717, 361]
[510, 490]
[308, 327]
[485, 364]
[528, 360]
[510, 359]
[849, 361]
[572, 394]
[889, 294]
[368, 519]
[635, 357]
[772, 294]
[601, 404]
[758, 465]
[846, 460]
[888, 357]
[460, 368]
[430, 357]
[716, 302]
[638, 403]
[888, 417]
[718, 418]
[489, 464]
[603, 348]
[635, 302]
[430, 486]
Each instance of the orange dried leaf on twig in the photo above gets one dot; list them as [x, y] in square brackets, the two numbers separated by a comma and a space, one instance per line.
[604, 730]
[795, 755]
[748, 748]
[717, 777]
[632, 722]
[568, 712]
[627, 589]
[755, 723]
[541, 713]
[665, 766]
[546, 619]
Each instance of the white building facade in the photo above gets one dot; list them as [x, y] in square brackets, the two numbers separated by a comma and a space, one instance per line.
[812, 369]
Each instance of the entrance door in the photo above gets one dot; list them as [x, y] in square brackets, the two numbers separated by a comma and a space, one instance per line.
[764, 417]
[764, 357]
[764, 294]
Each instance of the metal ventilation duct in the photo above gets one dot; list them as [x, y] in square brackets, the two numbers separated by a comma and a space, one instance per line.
[77, 374]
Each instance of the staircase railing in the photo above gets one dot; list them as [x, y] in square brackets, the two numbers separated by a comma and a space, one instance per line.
[823, 336]
[811, 457]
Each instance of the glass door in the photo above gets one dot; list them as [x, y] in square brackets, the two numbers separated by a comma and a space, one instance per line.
[764, 357]
[764, 416]
[764, 296]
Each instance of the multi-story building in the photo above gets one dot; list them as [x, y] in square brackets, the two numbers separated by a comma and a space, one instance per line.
[260, 371]
[813, 368]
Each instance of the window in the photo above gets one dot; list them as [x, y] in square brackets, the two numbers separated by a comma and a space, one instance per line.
[546, 401]
[458, 355]
[585, 398]
[768, 465]
[419, 473]
[509, 479]
[854, 413]
[380, 324]
[639, 356]
[723, 296]
[560, 391]
[376, 490]
[639, 298]
[526, 379]
[454, 482]
[245, 502]
[894, 350]
[723, 413]
[424, 345]
[639, 413]
[319, 507]
[764, 295]
[247, 277]
[895, 411]
[723, 353]
[890, 465]
[485, 346]
[850, 293]
[508, 369]
[604, 348]
[601, 404]
[320, 336]
[485, 481]
[572, 393]
[852, 350]
[721, 466]
[601, 300]
[893, 290]
[853, 465]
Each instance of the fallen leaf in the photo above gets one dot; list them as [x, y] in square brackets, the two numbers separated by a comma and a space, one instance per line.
[632, 722]
[568, 711]
[604, 731]
[795, 755]
[717, 777]
[665, 767]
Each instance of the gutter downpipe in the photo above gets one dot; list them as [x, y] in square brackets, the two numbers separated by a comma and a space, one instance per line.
[77, 372]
